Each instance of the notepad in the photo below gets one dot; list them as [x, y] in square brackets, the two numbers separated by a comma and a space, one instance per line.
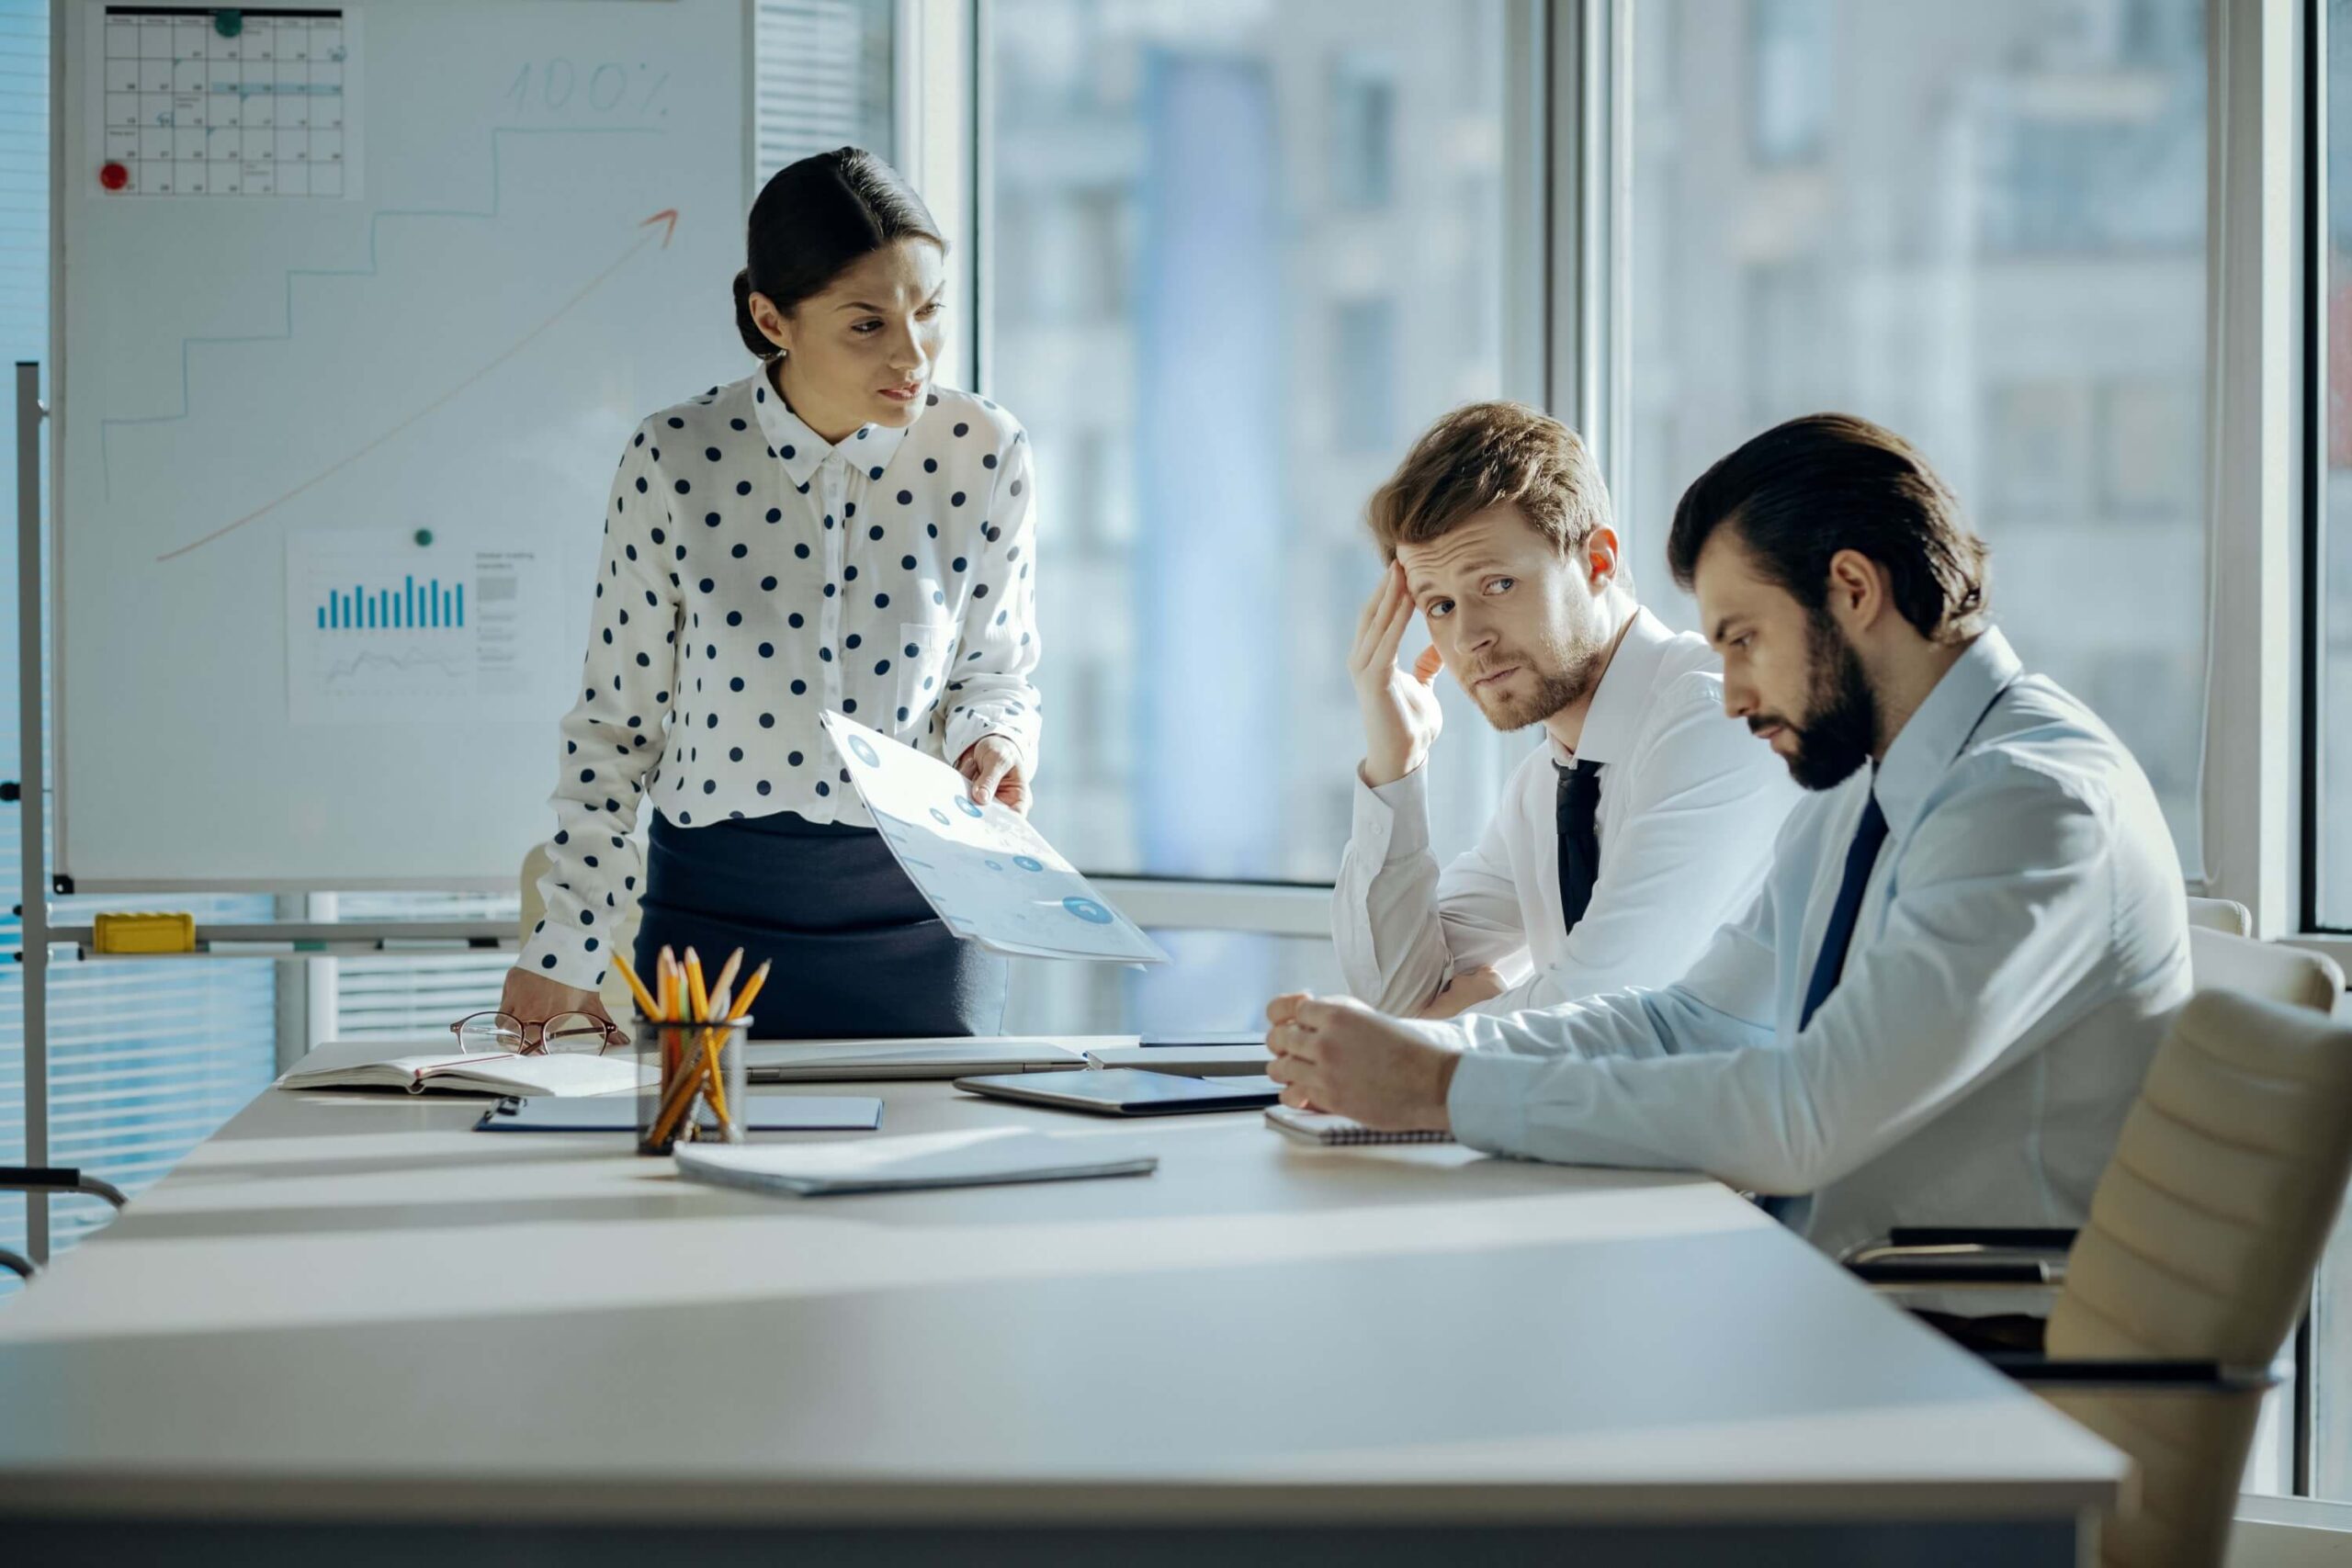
[985, 1158]
[562, 1073]
[1322, 1127]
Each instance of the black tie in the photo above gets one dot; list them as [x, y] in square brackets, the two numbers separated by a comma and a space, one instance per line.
[1580, 801]
[1831, 961]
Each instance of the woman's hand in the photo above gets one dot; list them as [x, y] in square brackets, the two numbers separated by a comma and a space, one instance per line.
[530, 998]
[994, 768]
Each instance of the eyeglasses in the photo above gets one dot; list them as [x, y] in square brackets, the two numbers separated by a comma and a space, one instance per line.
[503, 1033]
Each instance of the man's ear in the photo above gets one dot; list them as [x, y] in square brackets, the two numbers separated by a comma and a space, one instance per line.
[1859, 593]
[1600, 557]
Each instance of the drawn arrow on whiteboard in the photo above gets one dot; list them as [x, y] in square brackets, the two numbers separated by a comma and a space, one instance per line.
[667, 217]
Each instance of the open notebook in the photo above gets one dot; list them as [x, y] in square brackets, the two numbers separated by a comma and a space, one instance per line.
[566, 1073]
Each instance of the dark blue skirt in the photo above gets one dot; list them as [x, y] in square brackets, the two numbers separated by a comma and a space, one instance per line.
[858, 953]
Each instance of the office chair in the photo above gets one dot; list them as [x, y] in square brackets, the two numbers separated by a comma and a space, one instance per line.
[2294, 976]
[2033, 1257]
[49, 1179]
[2194, 1265]
[2220, 915]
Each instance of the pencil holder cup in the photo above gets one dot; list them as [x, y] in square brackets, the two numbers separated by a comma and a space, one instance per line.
[692, 1089]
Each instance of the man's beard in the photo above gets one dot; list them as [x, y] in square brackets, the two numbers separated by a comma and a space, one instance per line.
[1566, 674]
[1840, 724]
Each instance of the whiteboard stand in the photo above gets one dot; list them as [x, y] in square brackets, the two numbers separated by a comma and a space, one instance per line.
[33, 898]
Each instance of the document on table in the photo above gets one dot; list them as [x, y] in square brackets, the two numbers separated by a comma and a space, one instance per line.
[990, 875]
[979, 1157]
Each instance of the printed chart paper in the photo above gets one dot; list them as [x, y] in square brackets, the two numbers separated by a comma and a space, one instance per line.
[382, 630]
[990, 875]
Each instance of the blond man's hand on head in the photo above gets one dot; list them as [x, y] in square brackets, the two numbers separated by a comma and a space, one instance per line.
[1335, 1053]
[1401, 716]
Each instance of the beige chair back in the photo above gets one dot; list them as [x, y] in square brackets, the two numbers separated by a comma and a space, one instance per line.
[2272, 970]
[2220, 915]
[2203, 1236]
[615, 989]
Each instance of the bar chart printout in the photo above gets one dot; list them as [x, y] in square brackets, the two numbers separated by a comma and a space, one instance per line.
[429, 606]
[381, 629]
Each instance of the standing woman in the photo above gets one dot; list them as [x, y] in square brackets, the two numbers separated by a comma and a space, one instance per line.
[834, 531]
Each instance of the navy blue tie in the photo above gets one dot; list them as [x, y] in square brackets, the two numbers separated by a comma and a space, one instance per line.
[1830, 963]
[1576, 814]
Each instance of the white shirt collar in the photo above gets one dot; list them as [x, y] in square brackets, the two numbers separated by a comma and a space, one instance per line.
[802, 451]
[1615, 716]
[1924, 748]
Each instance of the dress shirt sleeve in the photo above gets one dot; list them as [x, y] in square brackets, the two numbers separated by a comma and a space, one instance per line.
[1689, 845]
[2003, 907]
[1400, 926]
[613, 735]
[997, 649]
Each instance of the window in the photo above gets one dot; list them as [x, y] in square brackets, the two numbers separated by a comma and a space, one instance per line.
[1219, 981]
[2328, 855]
[412, 995]
[1984, 227]
[822, 79]
[1297, 263]
[1364, 118]
[1363, 384]
[2331, 561]
[1790, 80]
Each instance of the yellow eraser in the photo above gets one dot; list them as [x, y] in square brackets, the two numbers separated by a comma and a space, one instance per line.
[144, 932]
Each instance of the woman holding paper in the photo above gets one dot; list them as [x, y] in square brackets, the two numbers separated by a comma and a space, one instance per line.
[833, 532]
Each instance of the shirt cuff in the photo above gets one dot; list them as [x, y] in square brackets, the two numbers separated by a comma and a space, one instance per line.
[1487, 1105]
[574, 966]
[978, 723]
[1392, 822]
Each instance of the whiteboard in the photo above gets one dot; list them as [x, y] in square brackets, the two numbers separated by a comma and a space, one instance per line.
[331, 444]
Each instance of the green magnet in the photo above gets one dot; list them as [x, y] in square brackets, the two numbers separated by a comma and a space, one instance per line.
[227, 24]
[424, 536]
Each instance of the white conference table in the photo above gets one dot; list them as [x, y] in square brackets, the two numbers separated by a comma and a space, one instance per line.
[349, 1325]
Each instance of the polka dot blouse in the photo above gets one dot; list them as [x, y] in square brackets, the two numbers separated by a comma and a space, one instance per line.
[752, 577]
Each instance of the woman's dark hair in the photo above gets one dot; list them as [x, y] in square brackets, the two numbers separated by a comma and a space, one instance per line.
[1804, 491]
[816, 218]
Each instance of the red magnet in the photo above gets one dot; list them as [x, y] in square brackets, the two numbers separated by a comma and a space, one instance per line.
[114, 176]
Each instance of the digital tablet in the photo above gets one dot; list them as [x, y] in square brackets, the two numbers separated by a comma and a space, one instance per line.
[1125, 1091]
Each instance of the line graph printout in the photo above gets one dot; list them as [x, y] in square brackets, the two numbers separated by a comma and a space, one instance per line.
[382, 630]
[253, 102]
[985, 870]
